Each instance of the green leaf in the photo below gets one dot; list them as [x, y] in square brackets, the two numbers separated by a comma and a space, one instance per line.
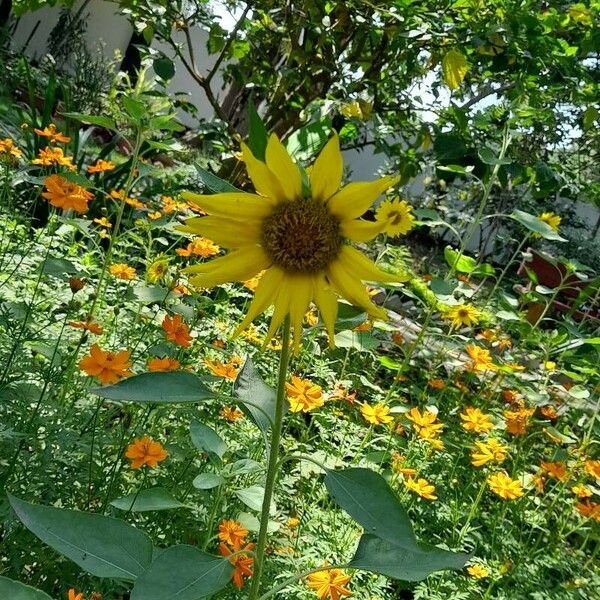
[536, 225]
[98, 120]
[465, 264]
[164, 67]
[400, 562]
[167, 388]
[59, 266]
[349, 317]
[135, 109]
[358, 340]
[304, 143]
[258, 134]
[182, 573]
[153, 499]
[370, 501]
[443, 287]
[102, 546]
[15, 590]
[208, 481]
[253, 497]
[206, 439]
[487, 156]
[212, 183]
[454, 68]
[257, 398]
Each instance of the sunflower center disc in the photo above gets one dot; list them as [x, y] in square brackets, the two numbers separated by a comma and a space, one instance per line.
[301, 236]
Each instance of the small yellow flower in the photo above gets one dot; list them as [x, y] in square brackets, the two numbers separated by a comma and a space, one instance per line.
[155, 215]
[122, 271]
[157, 270]
[475, 420]
[488, 451]
[377, 414]
[505, 487]
[478, 571]
[103, 222]
[304, 395]
[421, 419]
[53, 156]
[293, 522]
[231, 413]
[581, 491]
[101, 165]
[398, 465]
[395, 217]
[8, 147]
[462, 315]
[551, 219]
[421, 487]
[329, 584]
[481, 359]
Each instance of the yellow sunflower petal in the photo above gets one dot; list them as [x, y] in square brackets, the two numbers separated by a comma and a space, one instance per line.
[361, 231]
[352, 288]
[282, 307]
[224, 232]
[326, 301]
[283, 167]
[301, 291]
[262, 177]
[238, 265]
[264, 296]
[354, 199]
[364, 268]
[326, 173]
[232, 205]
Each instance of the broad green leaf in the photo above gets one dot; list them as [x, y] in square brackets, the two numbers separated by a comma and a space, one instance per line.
[102, 546]
[207, 439]
[536, 225]
[488, 157]
[208, 481]
[443, 287]
[454, 68]
[349, 317]
[404, 562]
[58, 266]
[304, 143]
[153, 499]
[135, 109]
[212, 183]
[182, 573]
[164, 67]
[253, 496]
[358, 340]
[98, 120]
[466, 264]
[15, 590]
[257, 135]
[252, 523]
[258, 399]
[370, 501]
[170, 387]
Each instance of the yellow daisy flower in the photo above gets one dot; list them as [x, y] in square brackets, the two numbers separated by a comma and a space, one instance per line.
[462, 315]
[395, 216]
[551, 219]
[299, 240]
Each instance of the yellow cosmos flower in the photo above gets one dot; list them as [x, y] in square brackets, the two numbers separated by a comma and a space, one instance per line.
[330, 584]
[395, 216]
[481, 359]
[505, 487]
[462, 315]
[304, 395]
[478, 571]
[582, 491]
[377, 414]
[551, 219]
[475, 420]
[299, 240]
[421, 487]
[488, 451]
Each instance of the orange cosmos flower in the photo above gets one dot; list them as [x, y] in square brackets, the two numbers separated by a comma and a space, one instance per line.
[517, 422]
[589, 509]
[593, 468]
[163, 365]
[231, 413]
[242, 564]
[53, 156]
[505, 487]
[398, 461]
[8, 147]
[227, 370]
[329, 584]
[122, 271]
[177, 331]
[145, 451]
[582, 491]
[421, 487]
[94, 328]
[556, 470]
[64, 194]
[341, 392]
[304, 395]
[436, 384]
[377, 414]
[108, 367]
[232, 533]
[101, 165]
[475, 420]
[53, 135]
[481, 359]
[73, 595]
[199, 246]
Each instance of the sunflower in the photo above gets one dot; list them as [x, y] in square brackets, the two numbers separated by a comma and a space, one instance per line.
[462, 315]
[396, 216]
[299, 240]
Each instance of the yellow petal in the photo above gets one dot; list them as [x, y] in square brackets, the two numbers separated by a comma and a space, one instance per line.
[264, 296]
[361, 231]
[354, 199]
[282, 307]
[224, 232]
[352, 289]
[284, 168]
[238, 265]
[262, 177]
[326, 301]
[232, 205]
[301, 291]
[364, 268]
[326, 173]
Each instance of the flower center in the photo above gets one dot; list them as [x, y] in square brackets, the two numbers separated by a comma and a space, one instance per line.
[395, 217]
[301, 236]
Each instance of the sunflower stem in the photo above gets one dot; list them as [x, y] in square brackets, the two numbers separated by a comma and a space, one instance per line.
[276, 429]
